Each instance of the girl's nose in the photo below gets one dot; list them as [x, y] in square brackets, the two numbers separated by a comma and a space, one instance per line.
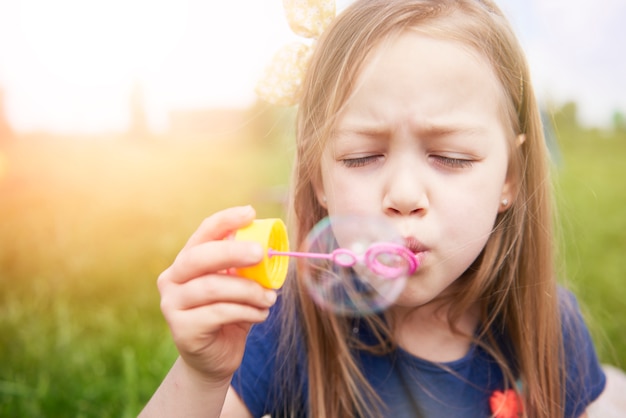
[405, 192]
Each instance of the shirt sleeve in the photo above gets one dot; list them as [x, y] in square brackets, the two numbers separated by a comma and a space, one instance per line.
[585, 379]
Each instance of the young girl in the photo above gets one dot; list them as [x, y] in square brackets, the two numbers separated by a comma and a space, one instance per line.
[421, 112]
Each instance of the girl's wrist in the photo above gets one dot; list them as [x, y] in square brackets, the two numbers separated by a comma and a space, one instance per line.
[198, 379]
[187, 392]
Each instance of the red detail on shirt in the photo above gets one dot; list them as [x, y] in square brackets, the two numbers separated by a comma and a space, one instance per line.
[507, 404]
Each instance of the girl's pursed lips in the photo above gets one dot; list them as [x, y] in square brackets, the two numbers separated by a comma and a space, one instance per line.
[417, 248]
[414, 245]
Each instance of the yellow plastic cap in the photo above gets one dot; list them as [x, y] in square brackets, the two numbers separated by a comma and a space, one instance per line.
[270, 233]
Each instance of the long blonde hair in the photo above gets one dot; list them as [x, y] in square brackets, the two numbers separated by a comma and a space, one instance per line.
[513, 278]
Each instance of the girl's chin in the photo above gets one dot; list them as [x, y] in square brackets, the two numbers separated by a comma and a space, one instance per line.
[416, 295]
[411, 300]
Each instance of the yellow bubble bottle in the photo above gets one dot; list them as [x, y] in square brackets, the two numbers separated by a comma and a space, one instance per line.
[271, 233]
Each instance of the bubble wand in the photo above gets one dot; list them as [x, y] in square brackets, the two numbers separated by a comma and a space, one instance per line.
[385, 259]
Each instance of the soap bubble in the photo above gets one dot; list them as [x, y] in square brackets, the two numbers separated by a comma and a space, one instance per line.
[365, 269]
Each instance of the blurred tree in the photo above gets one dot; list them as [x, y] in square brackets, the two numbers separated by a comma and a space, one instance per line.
[566, 117]
[138, 129]
[6, 133]
[619, 122]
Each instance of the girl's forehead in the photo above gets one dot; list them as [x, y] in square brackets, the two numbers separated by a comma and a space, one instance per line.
[427, 74]
[407, 42]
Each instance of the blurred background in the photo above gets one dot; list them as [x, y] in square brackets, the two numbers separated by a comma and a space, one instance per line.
[123, 123]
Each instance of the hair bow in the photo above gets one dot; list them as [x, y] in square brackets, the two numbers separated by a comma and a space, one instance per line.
[281, 80]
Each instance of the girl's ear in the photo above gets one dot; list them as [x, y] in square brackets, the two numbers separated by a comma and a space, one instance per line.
[320, 194]
[321, 198]
[510, 188]
[507, 195]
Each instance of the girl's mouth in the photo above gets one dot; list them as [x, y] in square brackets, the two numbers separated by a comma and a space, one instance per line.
[414, 245]
[417, 248]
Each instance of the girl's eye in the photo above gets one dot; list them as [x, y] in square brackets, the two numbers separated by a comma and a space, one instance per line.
[360, 161]
[452, 162]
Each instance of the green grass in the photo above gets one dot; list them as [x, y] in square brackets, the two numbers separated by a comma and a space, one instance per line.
[591, 196]
[87, 226]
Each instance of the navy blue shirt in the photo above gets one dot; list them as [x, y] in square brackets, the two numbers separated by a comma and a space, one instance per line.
[460, 388]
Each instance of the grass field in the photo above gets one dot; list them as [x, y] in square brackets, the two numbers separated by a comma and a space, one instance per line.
[590, 183]
[87, 225]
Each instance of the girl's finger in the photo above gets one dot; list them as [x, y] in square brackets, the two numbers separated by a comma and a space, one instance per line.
[211, 257]
[213, 289]
[221, 224]
[198, 323]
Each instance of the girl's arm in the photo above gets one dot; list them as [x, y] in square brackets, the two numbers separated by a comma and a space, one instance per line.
[209, 313]
[185, 394]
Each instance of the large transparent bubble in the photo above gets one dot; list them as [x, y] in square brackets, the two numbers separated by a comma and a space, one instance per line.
[362, 268]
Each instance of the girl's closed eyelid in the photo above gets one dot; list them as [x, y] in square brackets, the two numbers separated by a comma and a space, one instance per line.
[452, 162]
[441, 160]
[360, 161]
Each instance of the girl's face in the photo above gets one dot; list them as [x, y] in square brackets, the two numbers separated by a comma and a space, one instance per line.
[422, 143]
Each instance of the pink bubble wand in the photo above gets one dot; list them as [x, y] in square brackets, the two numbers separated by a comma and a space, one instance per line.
[386, 259]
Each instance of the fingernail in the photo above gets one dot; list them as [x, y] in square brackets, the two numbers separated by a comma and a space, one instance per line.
[246, 210]
[256, 250]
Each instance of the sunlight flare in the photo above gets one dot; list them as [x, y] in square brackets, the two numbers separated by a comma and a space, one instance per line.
[102, 42]
[3, 166]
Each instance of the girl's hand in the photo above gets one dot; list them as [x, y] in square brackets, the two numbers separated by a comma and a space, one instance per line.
[210, 311]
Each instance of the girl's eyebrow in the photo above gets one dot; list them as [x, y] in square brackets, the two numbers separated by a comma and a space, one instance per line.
[438, 131]
[362, 134]
[371, 130]
[425, 130]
